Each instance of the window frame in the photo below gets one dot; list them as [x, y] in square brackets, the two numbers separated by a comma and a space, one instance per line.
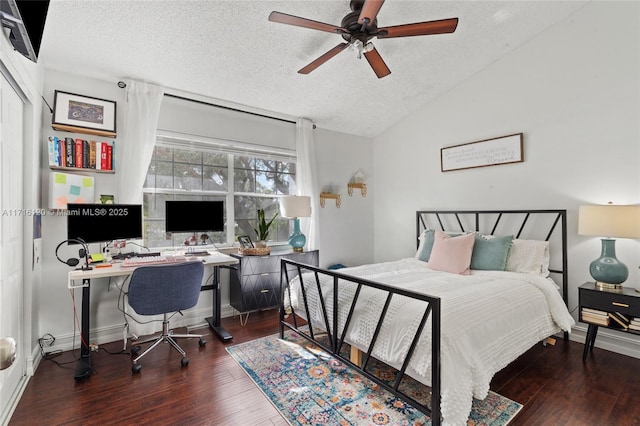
[227, 148]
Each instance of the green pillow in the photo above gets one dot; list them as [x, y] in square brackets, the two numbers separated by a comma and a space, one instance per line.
[490, 254]
[426, 244]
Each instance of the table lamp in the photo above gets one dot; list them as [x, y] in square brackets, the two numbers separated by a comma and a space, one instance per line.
[296, 206]
[609, 221]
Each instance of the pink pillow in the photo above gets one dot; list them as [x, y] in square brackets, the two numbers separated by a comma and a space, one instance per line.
[451, 254]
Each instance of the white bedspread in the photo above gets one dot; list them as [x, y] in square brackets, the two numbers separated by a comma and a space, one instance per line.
[489, 318]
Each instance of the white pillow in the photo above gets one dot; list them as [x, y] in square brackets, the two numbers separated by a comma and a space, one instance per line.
[529, 257]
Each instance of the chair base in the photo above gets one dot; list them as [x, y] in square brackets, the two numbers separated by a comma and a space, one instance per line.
[167, 336]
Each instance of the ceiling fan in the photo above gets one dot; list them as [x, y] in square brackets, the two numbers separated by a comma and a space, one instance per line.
[358, 27]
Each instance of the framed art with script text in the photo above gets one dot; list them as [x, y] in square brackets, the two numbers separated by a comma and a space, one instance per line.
[488, 152]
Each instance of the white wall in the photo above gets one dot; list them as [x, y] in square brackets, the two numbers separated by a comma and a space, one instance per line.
[55, 307]
[346, 235]
[574, 92]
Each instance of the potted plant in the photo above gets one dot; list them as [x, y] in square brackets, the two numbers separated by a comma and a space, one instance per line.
[262, 231]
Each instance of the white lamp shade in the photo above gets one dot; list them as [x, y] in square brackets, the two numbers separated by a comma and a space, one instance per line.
[295, 206]
[609, 221]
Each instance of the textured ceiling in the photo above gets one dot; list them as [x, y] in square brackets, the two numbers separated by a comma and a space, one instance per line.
[228, 50]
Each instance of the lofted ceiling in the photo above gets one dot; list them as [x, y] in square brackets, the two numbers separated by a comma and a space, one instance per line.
[230, 51]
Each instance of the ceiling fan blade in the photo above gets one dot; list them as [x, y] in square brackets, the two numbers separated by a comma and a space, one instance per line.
[370, 10]
[324, 58]
[283, 18]
[443, 26]
[377, 63]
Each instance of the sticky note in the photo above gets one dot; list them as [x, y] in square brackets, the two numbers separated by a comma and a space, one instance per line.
[61, 178]
[74, 190]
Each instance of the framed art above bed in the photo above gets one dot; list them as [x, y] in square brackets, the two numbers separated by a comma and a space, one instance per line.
[450, 331]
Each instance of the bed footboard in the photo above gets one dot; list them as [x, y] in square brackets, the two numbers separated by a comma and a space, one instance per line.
[334, 342]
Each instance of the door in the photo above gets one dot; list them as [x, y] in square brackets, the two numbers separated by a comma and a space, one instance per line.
[11, 245]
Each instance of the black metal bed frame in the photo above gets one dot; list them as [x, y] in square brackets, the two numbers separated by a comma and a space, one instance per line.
[336, 337]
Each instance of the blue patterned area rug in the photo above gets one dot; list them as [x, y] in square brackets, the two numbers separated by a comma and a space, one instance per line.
[310, 387]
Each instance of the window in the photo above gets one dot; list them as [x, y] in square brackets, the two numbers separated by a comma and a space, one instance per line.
[245, 181]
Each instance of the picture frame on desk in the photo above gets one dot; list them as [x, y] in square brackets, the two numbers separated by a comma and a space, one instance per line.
[83, 114]
[245, 242]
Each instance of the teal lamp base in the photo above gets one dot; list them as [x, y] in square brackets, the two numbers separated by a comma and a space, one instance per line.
[607, 270]
[297, 240]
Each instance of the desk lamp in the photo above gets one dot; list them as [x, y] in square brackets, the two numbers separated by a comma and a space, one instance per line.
[296, 206]
[609, 221]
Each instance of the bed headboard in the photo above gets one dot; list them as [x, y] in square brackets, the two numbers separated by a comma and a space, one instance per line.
[523, 224]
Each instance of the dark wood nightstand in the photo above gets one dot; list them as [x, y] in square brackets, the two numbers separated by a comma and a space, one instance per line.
[612, 309]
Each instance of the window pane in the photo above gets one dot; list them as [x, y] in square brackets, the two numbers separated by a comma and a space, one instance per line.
[186, 156]
[244, 180]
[268, 165]
[150, 180]
[244, 162]
[215, 178]
[285, 167]
[265, 183]
[188, 176]
[164, 175]
[285, 184]
[163, 154]
[214, 159]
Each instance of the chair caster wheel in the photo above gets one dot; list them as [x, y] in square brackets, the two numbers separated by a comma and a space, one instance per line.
[135, 350]
[184, 362]
[136, 368]
[202, 342]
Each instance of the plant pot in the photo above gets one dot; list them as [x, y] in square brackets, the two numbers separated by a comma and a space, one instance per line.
[260, 244]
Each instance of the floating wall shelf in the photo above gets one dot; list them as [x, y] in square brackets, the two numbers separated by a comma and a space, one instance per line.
[329, 196]
[360, 185]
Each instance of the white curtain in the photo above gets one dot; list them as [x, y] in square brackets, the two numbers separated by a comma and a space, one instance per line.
[142, 104]
[142, 109]
[306, 180]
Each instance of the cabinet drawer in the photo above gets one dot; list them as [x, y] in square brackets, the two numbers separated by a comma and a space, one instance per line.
[251, 265]
[609, 302]
[253, 301]
[259, 282]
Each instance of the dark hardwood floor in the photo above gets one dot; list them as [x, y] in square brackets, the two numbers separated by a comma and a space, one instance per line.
[552, 382]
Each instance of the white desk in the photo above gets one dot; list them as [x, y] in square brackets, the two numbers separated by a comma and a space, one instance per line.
[215, 259]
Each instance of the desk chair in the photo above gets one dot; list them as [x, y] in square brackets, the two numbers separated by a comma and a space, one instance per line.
[165, 289]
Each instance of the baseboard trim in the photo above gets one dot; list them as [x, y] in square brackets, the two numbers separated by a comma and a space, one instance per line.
[610, 340]
[191, 319]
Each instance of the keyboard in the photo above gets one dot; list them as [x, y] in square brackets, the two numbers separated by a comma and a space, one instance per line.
[151, 260]
[197, 253]
[122, 256]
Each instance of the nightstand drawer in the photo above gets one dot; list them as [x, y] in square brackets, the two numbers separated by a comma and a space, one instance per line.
[610, 302]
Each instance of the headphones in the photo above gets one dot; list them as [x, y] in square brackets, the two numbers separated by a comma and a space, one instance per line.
[83, 252]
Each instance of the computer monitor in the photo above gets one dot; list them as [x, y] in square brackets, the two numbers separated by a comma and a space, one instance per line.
[99, 223]
[194, 216]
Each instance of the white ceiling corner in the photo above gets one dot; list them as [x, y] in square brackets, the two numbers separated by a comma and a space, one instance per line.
[228, 50]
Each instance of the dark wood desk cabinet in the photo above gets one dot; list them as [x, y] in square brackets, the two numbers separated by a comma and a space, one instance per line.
[616, 310]
[255, 280]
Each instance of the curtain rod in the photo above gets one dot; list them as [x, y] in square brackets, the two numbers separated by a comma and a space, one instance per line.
[122, 85]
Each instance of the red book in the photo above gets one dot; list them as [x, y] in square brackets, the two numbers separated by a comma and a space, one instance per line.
[103, 157]
[63, 154]
[78, 152]
[109, 157]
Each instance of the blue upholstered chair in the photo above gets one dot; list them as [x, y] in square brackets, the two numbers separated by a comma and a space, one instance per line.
[165, 289]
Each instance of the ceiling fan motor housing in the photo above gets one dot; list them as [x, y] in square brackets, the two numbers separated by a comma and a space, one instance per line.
[350, 23]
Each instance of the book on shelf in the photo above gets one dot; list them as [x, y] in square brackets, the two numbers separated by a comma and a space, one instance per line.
[92, 154]
[618, 321]
[595, 312]
[70, 149]
[109, 156]
[634, 327]
[103, 156]
[78, 152]
[635, 322]
[595, 319]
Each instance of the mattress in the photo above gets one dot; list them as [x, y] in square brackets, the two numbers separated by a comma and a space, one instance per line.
[488, 319]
